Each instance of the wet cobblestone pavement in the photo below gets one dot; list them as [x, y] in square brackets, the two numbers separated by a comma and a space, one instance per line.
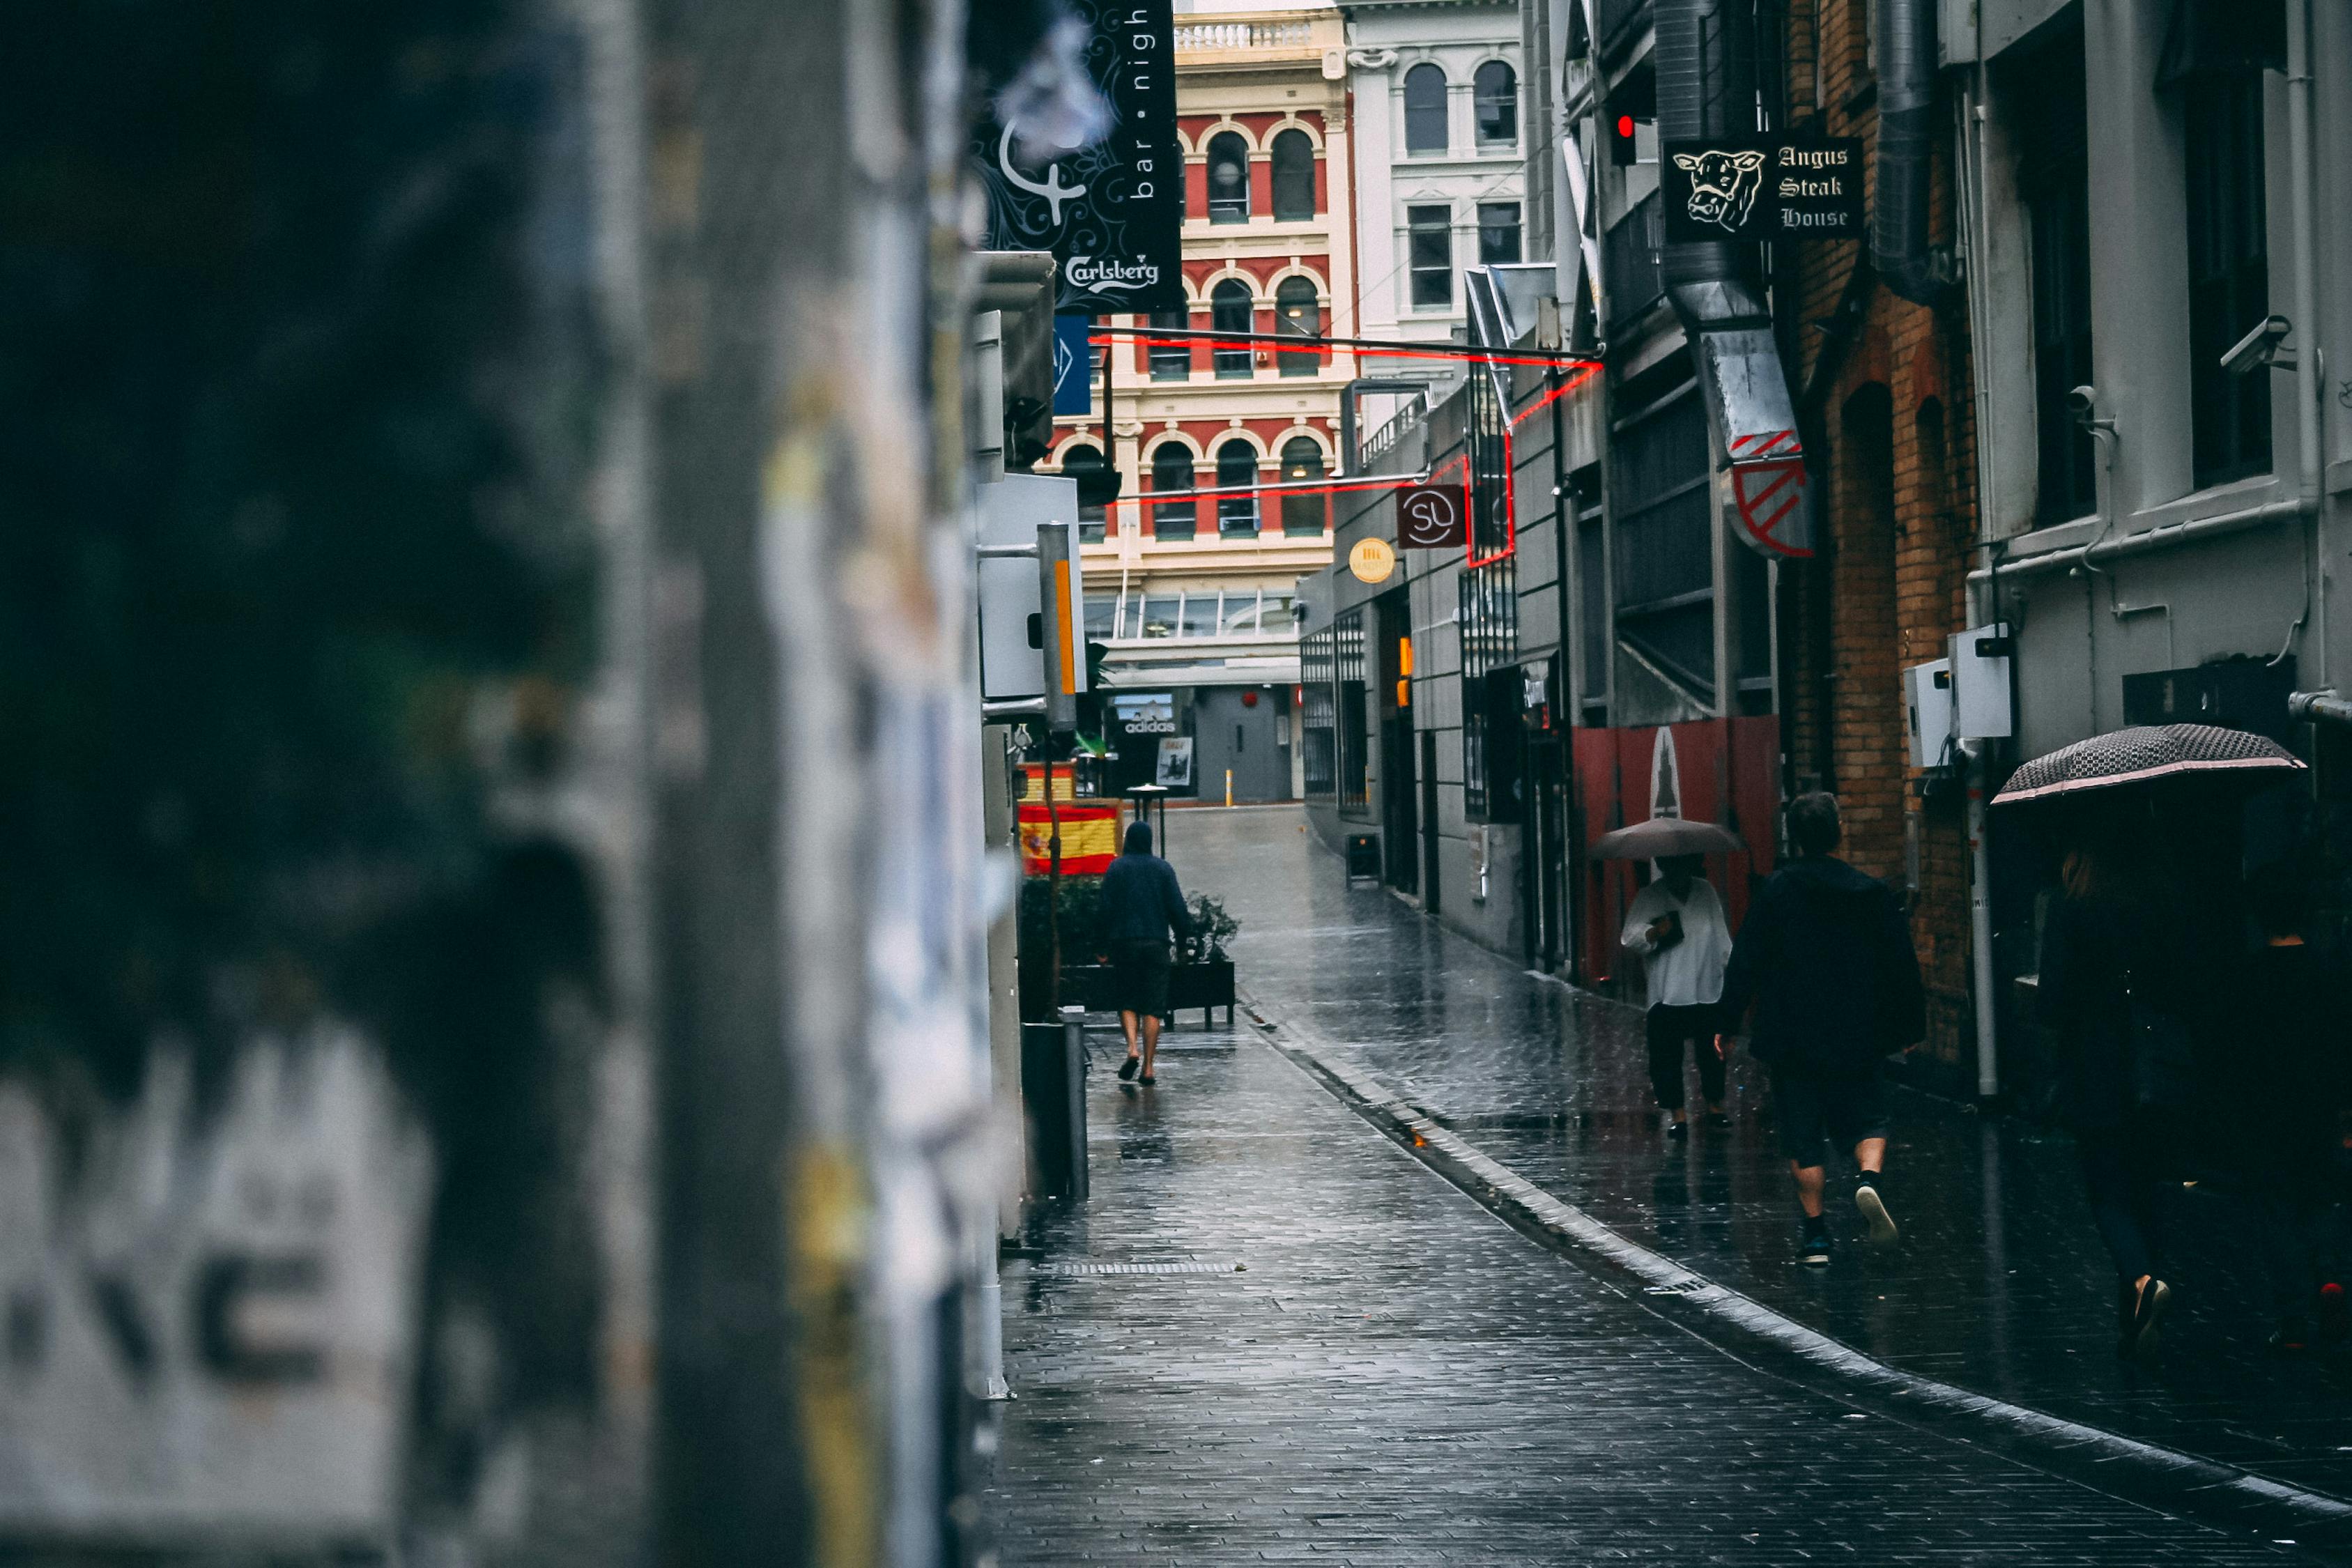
[1395, 1377]
[1999, 1284]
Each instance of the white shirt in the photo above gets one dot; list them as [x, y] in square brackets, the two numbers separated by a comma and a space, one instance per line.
[1690, 973]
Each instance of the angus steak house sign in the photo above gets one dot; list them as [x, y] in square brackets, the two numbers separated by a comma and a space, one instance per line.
[1111, 213]
[1750, 188]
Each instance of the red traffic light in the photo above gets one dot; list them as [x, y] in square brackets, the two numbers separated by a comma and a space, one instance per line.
[1625, 126]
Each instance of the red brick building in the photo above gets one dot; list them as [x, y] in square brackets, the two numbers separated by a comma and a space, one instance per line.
[1885, 393]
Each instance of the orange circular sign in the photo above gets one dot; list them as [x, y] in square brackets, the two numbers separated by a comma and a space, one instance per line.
[1371, 560]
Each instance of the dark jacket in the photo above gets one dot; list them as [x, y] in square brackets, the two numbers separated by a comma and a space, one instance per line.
[1139, 903]
[1825, 955]
[2091, 950]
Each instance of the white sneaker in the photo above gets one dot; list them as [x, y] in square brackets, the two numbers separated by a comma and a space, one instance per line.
[1867, 1198]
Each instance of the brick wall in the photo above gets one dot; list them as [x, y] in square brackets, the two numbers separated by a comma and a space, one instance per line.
[1893, 428]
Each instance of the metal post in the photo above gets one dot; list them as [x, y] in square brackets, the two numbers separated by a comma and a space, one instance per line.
[1981, 924]
[1074, 1079]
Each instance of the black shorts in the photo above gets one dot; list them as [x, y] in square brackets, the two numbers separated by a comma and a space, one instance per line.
[1815, 1110]
[1138, 977]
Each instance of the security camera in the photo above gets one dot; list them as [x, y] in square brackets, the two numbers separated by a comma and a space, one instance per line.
[2083, 403]
[2259, 349]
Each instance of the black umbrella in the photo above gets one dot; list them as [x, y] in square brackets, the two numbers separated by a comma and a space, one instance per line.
[2146, 753]
[1663, 838]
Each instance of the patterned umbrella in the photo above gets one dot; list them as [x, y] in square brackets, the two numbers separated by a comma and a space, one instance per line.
[1662, 837]
[2142, 753]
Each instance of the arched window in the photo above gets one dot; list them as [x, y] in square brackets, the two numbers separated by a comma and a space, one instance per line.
[1170, 361]
[1237, 465]
[1424, 109]
[1083, 463]
[1294, 177]
[1295, 314]
[1228, 178]
[1171, 470]
[1495, 92]
[1302, 460]
[1229, 311]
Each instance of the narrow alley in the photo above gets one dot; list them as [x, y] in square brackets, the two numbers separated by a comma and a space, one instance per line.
[1272, 1334]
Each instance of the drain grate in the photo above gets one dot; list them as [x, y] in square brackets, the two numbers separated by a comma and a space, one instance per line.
[1189, 1267]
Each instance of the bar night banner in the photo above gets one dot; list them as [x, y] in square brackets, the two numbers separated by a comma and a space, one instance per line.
[1112, 212]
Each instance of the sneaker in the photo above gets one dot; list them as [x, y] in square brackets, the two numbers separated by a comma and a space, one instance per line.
[1813, 1248]
[2335, 1313]
[1870, 1197]
[1678, 1130]
[1126, 1069]
[1716, 1120]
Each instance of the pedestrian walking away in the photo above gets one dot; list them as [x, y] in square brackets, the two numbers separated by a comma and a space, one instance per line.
[1825, 958]
[1678, 925]
[2111, 993]
[1136, 913]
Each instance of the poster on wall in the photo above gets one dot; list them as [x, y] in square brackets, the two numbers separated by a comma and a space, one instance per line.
[1175, 762]
[1112, 212]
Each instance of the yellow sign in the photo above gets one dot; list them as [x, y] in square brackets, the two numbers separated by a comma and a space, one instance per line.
[1371, 560]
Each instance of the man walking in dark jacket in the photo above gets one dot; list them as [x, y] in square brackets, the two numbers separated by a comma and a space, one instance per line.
[1825, 956]
[1138, 906]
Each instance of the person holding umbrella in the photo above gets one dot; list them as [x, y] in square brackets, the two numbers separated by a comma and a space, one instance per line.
[1678, 925]
[2112, 986]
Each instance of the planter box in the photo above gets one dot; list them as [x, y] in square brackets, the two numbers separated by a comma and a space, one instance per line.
[1204, 985]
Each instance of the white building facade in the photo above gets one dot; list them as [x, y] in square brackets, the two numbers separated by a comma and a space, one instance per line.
[1441, 149]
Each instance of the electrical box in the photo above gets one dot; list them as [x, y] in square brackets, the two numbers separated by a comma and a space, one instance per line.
[1927, 708]
[1981, 707]
[1021, 508]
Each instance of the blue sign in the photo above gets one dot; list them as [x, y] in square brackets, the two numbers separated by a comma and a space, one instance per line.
[1074, 366]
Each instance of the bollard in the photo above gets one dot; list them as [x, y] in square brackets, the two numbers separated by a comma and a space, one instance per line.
[1074, 1053]
[1228, 786]
[1053, 1098]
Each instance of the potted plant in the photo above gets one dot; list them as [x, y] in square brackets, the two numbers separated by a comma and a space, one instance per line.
[1203, 976]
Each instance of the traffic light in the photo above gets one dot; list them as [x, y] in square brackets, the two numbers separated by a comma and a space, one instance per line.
[1624, 136]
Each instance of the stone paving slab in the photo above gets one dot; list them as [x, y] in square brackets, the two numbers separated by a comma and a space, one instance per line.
[1999, 1284]
[1395, 1377]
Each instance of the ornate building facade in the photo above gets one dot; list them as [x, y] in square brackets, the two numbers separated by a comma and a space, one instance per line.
[1189, 583]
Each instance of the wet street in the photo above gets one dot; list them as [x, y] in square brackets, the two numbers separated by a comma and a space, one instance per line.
[1274, 1334]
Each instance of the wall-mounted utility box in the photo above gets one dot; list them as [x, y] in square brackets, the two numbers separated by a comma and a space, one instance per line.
[1981, 707]
[1927, 709]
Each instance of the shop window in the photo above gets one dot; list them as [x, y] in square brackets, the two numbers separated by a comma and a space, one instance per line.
[1278, 613]
[1237, 615]
[1228, 178]
[1302, 463]
[1170, 361]
[1498, 233]
[1158, 618]
[1294, 177]
[1495, 92]
[1429, 251]
[1199, 617]
[1102, 616]
[1171, 470]
[1318, 729]
[2229, 273]
[1488, 610]
[1424, 109]
[1348, 702]
[1237, 465]
[1297, 315]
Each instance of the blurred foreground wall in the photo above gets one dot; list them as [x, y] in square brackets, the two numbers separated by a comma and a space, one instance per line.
[489, 1010]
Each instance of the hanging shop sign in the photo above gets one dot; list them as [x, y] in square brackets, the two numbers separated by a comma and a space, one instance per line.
[1759, 188]
[1074, 366]
[1371, 560]
[1433, 517]
[1112, 212]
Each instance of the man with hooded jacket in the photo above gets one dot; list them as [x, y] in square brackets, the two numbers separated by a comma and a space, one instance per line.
[1825, 957]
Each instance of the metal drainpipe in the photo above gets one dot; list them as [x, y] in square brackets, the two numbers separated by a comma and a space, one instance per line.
[1906, 40]
[2307, 366]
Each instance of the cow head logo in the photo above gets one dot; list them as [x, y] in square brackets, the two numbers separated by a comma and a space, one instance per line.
[1724, 185]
